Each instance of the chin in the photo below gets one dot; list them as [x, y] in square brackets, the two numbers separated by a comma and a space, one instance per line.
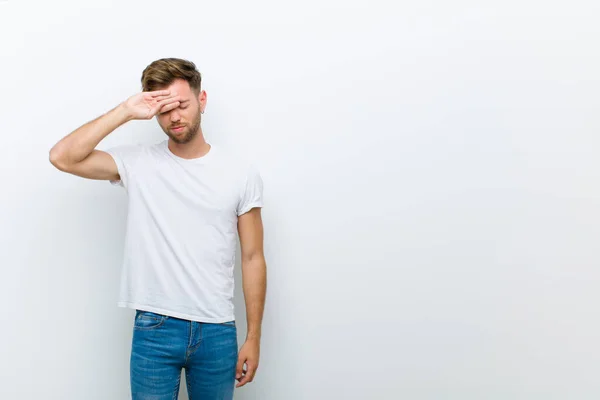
[183, 139]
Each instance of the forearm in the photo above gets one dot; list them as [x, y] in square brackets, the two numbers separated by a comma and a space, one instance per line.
[76, 146]
[254, 275]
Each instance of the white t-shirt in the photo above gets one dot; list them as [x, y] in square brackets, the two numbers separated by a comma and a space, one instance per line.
[181, 234]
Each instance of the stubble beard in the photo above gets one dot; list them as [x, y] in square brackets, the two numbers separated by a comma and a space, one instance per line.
[191, 133]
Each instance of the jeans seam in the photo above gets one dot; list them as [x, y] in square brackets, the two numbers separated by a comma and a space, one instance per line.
[147, 328]
[187, 383]
[176, 392]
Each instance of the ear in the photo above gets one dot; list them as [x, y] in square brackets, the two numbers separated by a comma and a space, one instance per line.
[202, 99]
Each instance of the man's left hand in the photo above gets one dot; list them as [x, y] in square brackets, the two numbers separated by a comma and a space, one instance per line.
[248, 355]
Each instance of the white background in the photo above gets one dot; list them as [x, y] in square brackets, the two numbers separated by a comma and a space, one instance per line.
[431, 172]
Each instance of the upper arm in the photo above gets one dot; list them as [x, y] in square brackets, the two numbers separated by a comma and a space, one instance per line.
[98, 165]
[251, 192]
[250, 229]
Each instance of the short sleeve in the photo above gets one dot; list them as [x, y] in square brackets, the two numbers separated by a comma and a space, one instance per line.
[252, 192]
[125, 158]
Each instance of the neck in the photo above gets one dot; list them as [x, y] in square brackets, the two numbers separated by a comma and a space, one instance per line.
[195, 148]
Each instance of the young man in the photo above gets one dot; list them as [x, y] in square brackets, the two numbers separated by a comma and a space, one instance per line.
[187, 202]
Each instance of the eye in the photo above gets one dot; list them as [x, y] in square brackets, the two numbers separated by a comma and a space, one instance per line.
[183, 108]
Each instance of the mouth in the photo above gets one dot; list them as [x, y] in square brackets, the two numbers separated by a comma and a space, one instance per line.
[178, 128]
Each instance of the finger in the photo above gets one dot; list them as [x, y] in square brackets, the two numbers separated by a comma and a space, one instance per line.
[170, 97]
[243, 381]
[169, 107]
[161, 97]
[248, 377]
[159, 93]
[239, 369]
[165, 96]
[171, 100]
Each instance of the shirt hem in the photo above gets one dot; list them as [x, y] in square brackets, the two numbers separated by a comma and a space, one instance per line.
[175, 314]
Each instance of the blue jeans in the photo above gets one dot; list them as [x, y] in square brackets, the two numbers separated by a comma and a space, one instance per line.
[163, 345]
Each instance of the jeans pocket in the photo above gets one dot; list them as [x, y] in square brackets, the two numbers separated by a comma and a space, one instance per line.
[228, 323]
[145, 320]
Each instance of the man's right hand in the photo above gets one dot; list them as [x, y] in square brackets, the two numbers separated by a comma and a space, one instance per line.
[146, 105]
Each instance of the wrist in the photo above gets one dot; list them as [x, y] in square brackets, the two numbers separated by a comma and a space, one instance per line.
[123, 112]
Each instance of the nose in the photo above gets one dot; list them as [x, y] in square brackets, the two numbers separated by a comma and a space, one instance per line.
[175, 116]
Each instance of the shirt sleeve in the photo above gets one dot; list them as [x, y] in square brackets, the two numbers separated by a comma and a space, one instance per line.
[252, 192]
[125, 157]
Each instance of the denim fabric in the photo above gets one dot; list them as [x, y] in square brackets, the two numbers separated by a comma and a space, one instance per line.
[163, 345]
